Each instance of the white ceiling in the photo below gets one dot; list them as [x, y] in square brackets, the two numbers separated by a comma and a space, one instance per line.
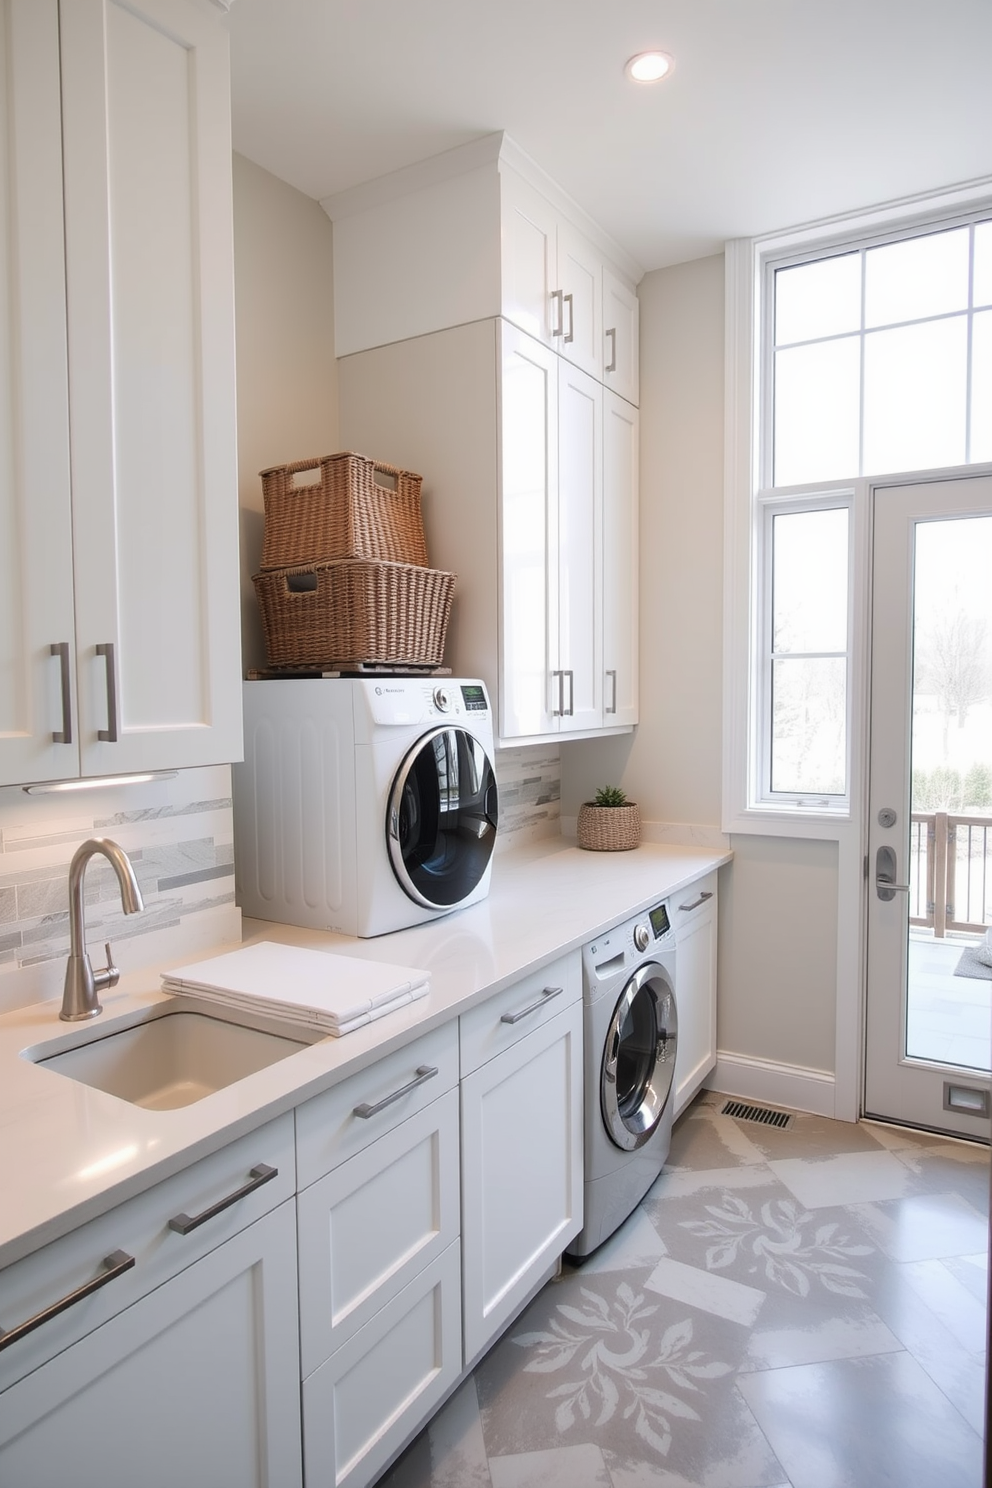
[778, 112]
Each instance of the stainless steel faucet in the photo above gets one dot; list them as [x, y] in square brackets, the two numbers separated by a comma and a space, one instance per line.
[82, 983]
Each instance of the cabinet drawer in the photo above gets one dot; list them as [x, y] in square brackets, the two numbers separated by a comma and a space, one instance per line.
[139, 1227]
[509, 1016]
[367, 1227]
[195, 1384]
[371, 1396]
[328, 1128]
[694, 902]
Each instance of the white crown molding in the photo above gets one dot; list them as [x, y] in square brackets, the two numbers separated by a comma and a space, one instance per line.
[490, 149]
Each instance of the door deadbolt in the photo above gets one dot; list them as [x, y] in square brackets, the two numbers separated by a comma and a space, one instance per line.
[887, 817]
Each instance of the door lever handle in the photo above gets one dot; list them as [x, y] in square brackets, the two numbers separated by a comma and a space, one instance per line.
[885, 875]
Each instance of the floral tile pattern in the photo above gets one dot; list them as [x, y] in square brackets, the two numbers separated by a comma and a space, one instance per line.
[784, 1309]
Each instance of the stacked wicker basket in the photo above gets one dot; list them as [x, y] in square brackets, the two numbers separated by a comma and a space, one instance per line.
[344, 581]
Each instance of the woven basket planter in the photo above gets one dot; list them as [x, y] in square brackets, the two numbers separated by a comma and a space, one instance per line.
[355, 508]
[609, 828]
[333, 614]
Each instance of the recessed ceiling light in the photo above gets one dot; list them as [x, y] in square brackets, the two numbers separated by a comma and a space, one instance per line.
[649, 67]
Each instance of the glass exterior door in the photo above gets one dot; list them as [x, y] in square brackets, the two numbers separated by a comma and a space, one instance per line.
[929, 868]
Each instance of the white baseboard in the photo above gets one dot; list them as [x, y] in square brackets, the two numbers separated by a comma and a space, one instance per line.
[791, 1085]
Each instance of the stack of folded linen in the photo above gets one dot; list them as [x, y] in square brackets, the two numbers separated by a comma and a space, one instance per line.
[295, 985]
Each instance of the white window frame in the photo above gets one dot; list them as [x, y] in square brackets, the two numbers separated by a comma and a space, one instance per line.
[745, 260]
[771, 504]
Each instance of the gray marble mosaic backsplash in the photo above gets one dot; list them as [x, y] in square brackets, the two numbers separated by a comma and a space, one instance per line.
[179, 837]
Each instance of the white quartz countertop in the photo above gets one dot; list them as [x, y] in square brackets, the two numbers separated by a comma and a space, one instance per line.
[69, 1153]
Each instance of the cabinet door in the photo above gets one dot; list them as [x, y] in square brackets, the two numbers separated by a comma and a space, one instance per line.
[197, 1383]
[370, 1225]
[528, 534]
[695, 928]
[580, 282]
[521, 1172]
[373, 1393]
[621, 338]
[620, 561]
[578, 580]
[528, 261]
[150, 304]
[35, 532]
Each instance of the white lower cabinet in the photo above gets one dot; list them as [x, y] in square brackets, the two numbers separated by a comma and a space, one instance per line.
[521, 1153]
[694, 921]
[372, 1394]
[195, 1383]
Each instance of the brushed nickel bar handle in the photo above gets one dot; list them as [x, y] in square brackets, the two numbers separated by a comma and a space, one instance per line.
[114, 1265]
[556, 295]
[611, 365]
[64, 735]
[532, 1007]
[425, 1072]
[612, 672]
[569, 300]
[696, 902]
[571, 694]
[559, 711]
[110, 734]
[184, 1223]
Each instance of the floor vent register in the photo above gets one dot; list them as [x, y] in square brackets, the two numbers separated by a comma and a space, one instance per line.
[744, 1112]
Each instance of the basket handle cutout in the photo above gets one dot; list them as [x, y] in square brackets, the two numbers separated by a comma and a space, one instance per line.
[385, 476]
[301, 583]
[298, 484]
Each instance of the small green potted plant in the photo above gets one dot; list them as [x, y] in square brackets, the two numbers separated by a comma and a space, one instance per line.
[610, 823]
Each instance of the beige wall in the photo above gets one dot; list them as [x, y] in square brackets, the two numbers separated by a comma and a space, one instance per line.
[287, 374]
[778, 909]
[671, 765]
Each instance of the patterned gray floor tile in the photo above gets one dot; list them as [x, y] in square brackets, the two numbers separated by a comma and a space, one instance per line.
[702, 1138]
[809, 1137]
[634, 1245]
[924, 1227]
[898, 1428]
[973, 1272]
[953, 1167]
[560, 1467]
[850, 1178]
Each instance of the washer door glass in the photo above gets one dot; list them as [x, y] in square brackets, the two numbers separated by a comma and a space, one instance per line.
[442, 816]
[639, 1058]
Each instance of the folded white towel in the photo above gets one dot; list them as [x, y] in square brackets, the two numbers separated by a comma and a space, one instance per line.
[290, 982]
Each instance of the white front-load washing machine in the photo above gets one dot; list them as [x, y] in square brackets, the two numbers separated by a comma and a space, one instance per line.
[364, 804]
[631, 1040]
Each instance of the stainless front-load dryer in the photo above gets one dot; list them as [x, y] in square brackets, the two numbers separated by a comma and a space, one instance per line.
[631, 1039]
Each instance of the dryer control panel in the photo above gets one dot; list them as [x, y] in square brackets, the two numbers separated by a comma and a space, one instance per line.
[649, 931]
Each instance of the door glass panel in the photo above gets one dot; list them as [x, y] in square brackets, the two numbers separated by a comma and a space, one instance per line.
[949, 991]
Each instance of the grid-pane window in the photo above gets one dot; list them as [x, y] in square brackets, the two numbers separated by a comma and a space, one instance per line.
[880, 358]
[806, 662]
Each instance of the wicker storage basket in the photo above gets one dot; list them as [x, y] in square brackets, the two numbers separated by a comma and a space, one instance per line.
[608, 828]
[354, 611]
[345, 513]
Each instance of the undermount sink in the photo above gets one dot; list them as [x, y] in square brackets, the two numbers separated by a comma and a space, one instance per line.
[172, 1060]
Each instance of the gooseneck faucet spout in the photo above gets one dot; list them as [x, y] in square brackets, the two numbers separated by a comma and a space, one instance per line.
[82, 983]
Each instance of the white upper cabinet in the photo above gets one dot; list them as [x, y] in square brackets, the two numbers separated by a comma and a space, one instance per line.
[134, 581]
[552, 276]
[620, 561]
[621, 341]
[477, 232]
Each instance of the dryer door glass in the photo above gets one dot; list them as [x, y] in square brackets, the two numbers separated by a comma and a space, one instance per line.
[442, 816]
[639, 1058]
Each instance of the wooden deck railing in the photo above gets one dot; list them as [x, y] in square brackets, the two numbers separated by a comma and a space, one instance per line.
[950, 872]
